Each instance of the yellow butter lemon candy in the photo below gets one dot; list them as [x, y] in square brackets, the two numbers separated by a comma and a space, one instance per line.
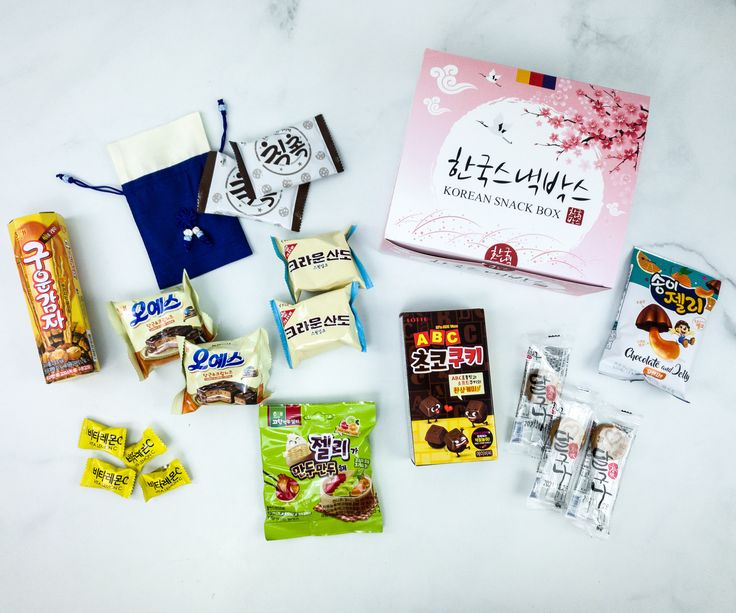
[103, 438]
[150, 446]
[106, 476]
[164, 479]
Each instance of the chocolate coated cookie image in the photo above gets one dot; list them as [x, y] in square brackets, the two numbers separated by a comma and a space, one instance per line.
[228, 392]
[435, 436]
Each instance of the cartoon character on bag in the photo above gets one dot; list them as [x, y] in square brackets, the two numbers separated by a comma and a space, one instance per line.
[682, 329]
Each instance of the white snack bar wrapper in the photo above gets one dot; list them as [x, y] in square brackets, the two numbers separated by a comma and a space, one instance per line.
[300, 153]
[547, 359]
[598, 484]
[563, 454]
[222, 192]
[660, 323]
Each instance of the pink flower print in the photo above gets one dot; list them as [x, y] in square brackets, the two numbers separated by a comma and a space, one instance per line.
[577, 118]
[598, 107]
[580, 92]
[544, 112]
[553, 137]
[592, 126]
[597, 93]
[598, 164]
[631, 108]
[606, 123]
[619, 119]
[555, 122]
[578, 153]
[539, 123]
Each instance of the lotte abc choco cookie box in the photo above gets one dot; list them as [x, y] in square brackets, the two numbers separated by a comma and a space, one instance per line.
[449, 386]
[517, 174]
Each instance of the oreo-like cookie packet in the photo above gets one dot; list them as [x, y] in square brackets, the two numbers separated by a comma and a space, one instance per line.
[320, 263]
[151, 326]
[319, 324]
[224, 372]
[222, 192]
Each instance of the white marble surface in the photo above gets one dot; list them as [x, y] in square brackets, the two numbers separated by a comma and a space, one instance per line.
[77, 76]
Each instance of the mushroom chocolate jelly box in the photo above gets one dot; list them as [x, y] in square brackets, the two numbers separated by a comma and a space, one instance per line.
[449, 386]
[517, 174]
[48, 275]
[660, 323]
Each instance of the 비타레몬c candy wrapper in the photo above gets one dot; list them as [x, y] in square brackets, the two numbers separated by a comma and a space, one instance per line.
[660, 323]
[105, 476]
[151, 326]
[163, 480]
[301, 153]
[102, 438]
[320, 263]
[222, 192]
[319, 324]
[224, 372]
[138, 454]
[317, 469]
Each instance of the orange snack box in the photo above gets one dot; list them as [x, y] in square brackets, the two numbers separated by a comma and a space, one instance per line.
[48, 275]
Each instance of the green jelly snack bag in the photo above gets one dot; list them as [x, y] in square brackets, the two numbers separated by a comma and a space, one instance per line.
[317, 469]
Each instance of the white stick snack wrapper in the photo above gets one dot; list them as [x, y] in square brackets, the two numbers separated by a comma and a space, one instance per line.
[660, 323]
[598, 484]
[547, 359]
[222, 192]
[563, 454]
[301, 153]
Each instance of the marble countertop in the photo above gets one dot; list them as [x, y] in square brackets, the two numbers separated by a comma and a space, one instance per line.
[76, 78]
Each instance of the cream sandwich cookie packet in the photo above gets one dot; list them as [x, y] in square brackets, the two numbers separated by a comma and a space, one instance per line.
[321, 323]
[320, 263]
[660, 323]
[298, 154]
[222, 192]
[224, 372]
[151, 326]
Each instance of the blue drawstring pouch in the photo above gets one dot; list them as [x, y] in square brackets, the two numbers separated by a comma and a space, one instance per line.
[160, 171]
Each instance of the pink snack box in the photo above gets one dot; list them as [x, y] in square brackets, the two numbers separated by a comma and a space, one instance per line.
[517, 174]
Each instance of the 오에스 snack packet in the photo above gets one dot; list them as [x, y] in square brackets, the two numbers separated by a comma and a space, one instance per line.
[660, 323]
[563, 453]
[320, 263]
[319, 324]
[151, 326]
[597, 487]
[317, 469]
[544, 375]
[224, 372]
[222, 192]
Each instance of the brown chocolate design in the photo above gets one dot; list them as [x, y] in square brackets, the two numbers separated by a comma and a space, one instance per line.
[228, 392]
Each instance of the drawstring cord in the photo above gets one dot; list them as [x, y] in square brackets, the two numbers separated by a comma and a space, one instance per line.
[222, 107]
[106, 189]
